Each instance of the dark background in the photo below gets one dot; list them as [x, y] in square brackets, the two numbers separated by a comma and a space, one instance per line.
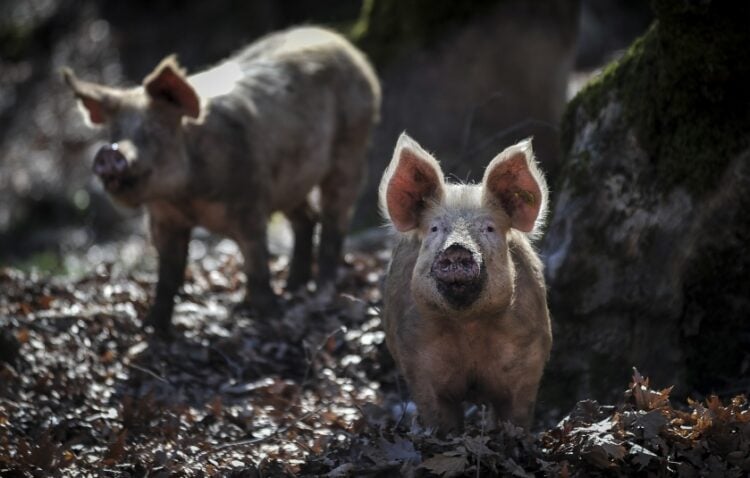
[466, 80]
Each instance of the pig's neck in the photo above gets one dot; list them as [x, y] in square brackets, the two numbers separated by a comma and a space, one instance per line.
[477, 316]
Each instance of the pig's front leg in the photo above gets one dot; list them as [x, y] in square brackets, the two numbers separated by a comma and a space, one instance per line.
[524, 399]
[259, 298]
[436, 392]
[438, 409]
[514, 402]
[511, 381]
[171, 242]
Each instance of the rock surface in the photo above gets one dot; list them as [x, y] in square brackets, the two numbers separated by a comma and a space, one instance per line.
[646, 248]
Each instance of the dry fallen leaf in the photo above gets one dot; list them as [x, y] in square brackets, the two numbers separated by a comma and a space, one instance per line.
[307, 394]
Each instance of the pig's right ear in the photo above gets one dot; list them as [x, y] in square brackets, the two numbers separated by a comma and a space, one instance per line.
[96, 99]
[410, 183]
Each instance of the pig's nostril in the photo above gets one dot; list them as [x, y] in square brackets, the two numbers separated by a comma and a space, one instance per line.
[98, 165]
[109, 162]
[101, 166]
[456, 265]
[120, 163]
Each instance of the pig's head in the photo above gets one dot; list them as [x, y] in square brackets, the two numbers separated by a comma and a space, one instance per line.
[145, 157]
[464, 266]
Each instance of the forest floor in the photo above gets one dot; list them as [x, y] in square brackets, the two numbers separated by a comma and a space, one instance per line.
[84, 391]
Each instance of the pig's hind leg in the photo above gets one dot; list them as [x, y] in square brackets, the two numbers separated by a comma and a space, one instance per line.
[303, 220]
[339, 192]
[259, 298]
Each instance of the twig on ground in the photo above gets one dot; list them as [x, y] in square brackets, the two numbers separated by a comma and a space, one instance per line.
[149, 372]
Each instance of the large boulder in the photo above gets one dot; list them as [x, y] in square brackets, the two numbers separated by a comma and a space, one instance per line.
[646, 250]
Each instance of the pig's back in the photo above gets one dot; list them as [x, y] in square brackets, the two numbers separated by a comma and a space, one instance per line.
[322, 56]
[284, 103]
[287, 72]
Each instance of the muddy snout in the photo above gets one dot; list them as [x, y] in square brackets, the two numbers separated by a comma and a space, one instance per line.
[458, 275]
[455, 264]
[113, 169]
[111, 166]
[109, 162]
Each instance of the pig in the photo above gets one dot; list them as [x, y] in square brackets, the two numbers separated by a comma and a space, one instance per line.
[225, 148]
[464, 303]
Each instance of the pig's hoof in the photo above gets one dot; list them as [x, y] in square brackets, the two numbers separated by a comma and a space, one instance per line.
[297, 285]
[258, 308]
[299, 277]
[162, 328]
[326, 291]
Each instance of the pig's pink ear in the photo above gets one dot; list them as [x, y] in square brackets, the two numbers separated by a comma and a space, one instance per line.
[410, 183]
[96, 100]
[168, 83]
[514, 182]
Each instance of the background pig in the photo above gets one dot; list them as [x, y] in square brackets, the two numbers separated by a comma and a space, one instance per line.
[224, 148]
[465, 310]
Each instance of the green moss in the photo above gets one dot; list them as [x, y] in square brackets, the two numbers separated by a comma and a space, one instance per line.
[599, 91]
[684, 91]
[47, 262]
[15, 41]
[577, 173]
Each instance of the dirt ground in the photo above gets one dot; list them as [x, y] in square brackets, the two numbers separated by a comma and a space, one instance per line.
[85, 392]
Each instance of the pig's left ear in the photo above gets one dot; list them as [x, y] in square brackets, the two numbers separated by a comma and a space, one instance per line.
[168, 83]
[514, 182]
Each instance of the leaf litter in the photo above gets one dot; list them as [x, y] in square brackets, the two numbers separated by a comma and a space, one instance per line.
[84, 391]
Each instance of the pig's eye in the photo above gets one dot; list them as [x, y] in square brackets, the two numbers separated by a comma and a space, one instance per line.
[434, 228]
[490, 228]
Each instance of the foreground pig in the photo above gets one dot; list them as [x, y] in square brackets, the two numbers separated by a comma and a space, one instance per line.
[465, 310]
[225, 148]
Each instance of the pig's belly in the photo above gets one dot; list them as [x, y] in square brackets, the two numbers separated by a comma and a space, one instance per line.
[212, 216]
[292, 187]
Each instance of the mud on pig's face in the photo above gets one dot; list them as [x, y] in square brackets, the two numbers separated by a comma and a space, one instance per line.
[464, 264]
[144, 157]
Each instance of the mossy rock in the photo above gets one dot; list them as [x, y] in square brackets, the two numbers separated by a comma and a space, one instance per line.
[684, 90]
[646, 249]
